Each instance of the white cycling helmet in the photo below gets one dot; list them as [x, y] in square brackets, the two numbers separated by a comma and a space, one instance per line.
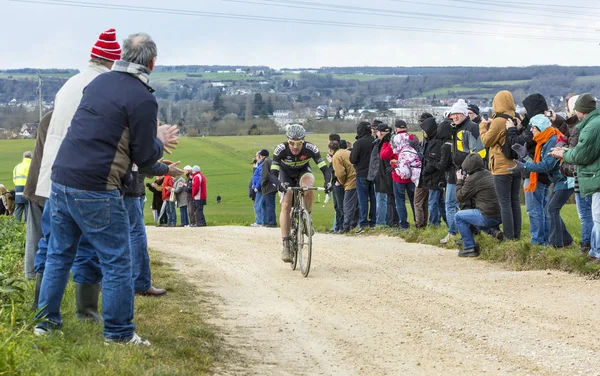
[295, 132]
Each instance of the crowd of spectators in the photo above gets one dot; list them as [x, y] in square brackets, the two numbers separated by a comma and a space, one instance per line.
[469, 171]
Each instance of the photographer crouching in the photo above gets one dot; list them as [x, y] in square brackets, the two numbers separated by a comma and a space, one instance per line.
[474, 182]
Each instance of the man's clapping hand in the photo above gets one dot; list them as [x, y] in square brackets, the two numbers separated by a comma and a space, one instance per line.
[167, 134]
[173, 170]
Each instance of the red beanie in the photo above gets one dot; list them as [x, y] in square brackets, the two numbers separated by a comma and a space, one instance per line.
[107, 47]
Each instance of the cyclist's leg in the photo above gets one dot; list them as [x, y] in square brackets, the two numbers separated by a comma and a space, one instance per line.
[308, 180]
[286, 205]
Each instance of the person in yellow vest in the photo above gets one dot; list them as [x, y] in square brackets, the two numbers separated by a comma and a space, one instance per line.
[19, 179]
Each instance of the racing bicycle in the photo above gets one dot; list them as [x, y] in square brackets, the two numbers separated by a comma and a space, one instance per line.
[301, 229]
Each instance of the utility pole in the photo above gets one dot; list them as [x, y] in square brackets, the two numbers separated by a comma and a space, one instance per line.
[40, 92]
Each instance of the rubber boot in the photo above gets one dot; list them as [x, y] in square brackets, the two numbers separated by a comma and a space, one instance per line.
[36, 294]
[86, 301]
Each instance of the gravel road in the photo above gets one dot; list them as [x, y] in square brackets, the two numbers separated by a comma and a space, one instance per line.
[374, 305]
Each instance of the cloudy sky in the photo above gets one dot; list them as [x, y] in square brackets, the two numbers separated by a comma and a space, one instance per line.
[60, 34]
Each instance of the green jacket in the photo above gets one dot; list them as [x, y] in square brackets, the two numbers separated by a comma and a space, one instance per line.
[586, 155]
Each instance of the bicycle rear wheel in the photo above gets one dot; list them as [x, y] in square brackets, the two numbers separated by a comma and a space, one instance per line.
[304, 239]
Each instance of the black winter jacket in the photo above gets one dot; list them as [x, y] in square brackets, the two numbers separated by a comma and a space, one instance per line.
[433, 178]
[445, 163]
[360, 156]
[383, 181]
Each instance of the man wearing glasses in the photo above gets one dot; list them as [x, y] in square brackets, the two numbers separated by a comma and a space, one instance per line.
[291, 168]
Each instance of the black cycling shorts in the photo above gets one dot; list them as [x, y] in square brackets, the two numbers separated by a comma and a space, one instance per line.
[293, 177]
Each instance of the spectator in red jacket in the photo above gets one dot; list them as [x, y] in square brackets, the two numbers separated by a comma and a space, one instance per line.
[199, 195]
[170, 204]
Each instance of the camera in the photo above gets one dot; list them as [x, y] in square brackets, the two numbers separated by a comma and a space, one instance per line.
[486, 116]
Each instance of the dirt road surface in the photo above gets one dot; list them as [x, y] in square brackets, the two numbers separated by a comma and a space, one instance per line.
[379, 306]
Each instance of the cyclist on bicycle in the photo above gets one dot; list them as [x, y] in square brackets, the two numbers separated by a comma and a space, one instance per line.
[290, 168]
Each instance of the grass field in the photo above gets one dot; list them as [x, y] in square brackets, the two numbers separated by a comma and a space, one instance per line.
[226, 163]
[505, 83]
[457, 89]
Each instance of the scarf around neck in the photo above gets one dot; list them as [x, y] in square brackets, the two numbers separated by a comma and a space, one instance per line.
[137, 70]
[541, 139]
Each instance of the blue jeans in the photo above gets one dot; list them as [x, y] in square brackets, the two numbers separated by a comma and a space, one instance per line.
[535, 205]
[269, 216]
[473, 217]
[338, 199]
[140, 260]
[382, 199]
[559, 235]
[400, 191]
[367, 204]
[86, 267]
[595, 239]
[183, 213]
[437, 207]
[451, 208]
[103, 219]
[171, 213]
[584, 210]
[258, 209]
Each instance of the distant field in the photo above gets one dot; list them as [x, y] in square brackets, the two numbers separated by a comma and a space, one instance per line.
[20, 76]
[505, 83]
[226, 163]
[456, 89]
[588, 79]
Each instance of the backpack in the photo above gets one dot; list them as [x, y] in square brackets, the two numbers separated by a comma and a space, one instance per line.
[507, 150]
[409, 166]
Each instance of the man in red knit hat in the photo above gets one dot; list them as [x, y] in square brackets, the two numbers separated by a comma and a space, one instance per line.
[86, 268]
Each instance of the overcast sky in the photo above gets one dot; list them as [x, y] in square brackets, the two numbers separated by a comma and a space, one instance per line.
[57, 36]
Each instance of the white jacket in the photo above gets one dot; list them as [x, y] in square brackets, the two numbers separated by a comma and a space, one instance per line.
[65, 104]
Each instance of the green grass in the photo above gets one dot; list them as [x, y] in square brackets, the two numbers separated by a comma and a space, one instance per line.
[27, 76]
[588, 79]
[505, 83]
[183, 343]
[456, 89]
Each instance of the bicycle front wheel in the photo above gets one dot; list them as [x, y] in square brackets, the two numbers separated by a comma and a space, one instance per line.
[304, 239]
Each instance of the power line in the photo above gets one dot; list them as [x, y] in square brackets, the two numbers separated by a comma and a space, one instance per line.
[410, 15]
[553, 15]
[570, 7]
[89, 5]
[517, 5]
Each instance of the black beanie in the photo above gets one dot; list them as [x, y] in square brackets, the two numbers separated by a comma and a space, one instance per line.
[474, 108]
[586, 103]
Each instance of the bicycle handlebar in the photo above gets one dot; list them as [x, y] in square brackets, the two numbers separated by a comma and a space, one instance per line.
[305, 189]
[327, 196]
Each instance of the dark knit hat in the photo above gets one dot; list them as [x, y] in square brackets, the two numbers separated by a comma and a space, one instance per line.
[264, 152]
[384, 128]
[400, 124]
[376, 123]
[586, 103]
[474, 108]
[424, 115]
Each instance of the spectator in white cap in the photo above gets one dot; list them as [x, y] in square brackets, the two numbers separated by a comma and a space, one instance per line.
[465, 139]
[191, 209]
[181, 195]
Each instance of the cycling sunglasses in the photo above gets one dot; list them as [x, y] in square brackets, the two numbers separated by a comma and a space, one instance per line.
[295, 143]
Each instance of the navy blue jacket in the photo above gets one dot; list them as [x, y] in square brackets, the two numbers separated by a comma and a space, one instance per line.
[114, 125]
